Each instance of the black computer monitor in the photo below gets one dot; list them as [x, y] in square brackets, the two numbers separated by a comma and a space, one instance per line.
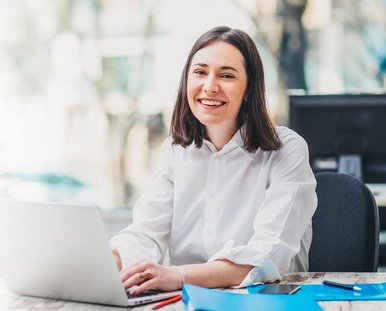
[344, 132]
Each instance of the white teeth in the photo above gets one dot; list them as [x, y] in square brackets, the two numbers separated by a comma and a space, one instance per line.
[211, 102]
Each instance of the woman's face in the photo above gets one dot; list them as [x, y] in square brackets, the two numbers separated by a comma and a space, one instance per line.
[216, 85]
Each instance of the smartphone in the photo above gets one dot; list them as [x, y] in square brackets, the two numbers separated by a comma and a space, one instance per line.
[279, 289]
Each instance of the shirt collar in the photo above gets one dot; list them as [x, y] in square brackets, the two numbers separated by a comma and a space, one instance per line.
[235, 142]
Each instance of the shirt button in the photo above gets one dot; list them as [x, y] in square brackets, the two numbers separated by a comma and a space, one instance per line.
[216, 156]
[211, 194]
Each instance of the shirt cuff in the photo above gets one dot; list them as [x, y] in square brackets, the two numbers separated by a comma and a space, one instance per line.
[264, 270]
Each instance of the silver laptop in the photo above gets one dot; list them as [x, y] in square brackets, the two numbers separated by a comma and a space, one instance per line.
[61, 251]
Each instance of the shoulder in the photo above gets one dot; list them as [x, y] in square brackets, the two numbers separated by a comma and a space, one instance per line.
[169, 147]
[293, 149]
[167, 151]
[286, 134]
[290, 139]
[170, 150]
[290, 161]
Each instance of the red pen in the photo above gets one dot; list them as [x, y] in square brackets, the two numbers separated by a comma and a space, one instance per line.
[167, 302]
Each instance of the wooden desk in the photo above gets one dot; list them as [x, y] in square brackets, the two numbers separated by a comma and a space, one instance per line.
[9, 301]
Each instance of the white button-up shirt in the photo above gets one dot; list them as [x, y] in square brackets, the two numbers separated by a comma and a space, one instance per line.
[250, 208]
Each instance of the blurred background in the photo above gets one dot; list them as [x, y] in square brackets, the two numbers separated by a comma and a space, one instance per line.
[87, 87]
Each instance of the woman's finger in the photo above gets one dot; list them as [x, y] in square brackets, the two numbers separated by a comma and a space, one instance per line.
[146, 275]
[138, 279]
[150, 284]
[132, 270]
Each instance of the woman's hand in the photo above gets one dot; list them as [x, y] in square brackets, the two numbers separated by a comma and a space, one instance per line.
[149, 275]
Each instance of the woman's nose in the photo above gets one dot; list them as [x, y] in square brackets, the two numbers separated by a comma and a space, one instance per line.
[211, 84]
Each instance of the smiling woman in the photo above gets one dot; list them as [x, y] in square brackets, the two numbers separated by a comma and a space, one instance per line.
[233, 59]
[217, 82]
[233, 195]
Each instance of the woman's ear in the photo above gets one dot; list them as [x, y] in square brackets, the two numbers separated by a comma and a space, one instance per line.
[245, 98]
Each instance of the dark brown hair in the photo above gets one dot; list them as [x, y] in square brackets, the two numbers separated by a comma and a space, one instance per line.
[258, 129]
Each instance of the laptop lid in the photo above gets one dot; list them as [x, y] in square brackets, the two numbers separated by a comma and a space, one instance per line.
[58, 251]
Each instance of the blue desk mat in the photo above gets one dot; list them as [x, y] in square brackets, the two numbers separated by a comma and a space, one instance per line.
[374, 291]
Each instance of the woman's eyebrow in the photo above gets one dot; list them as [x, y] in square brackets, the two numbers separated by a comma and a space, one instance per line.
[222, 67]
[229, 68]
[200, 64]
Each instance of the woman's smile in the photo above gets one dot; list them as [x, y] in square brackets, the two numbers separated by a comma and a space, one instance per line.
[211, 102]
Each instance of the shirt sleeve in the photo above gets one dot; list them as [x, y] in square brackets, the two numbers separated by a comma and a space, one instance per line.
[147, 236]
[283, 217]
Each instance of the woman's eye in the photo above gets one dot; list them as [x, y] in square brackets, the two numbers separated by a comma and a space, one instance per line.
[199, 72]
[227, 76]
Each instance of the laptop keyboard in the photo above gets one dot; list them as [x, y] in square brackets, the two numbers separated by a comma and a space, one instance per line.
[144, 294]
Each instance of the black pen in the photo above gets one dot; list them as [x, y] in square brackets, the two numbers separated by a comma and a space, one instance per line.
[341, 285]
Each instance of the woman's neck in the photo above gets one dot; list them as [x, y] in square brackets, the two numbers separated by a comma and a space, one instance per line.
[220, 136]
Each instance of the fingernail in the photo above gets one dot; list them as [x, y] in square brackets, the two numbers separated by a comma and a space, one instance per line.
[133, 292]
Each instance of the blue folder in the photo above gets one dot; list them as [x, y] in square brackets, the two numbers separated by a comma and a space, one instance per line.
[204, 299]
[374, 291]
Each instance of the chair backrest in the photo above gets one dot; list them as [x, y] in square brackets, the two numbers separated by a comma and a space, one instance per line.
[345, 226]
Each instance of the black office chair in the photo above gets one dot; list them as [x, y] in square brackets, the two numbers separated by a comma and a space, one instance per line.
[345, 226]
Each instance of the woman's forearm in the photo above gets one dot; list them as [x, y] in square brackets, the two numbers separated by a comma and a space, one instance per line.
[218, 273]
[149, 275]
